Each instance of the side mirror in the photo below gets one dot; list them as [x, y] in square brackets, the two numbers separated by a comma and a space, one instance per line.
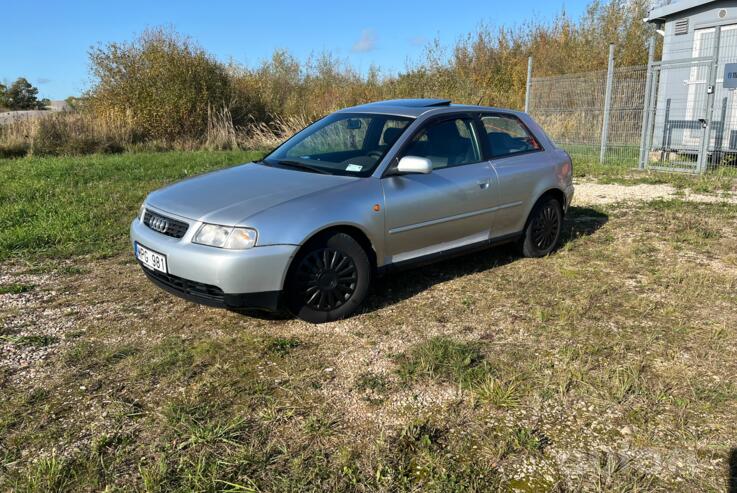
[414, 165]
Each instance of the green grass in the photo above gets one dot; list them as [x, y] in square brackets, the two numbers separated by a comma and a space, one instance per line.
[443, 359]
[283, 345]
[68, 206]
[33, 340]
[15, 288]
[625, 172]
[621, 166]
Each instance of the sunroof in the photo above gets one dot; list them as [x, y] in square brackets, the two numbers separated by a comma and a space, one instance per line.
[413, 103]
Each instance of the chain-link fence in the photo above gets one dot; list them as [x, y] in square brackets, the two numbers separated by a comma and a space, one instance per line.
[676, 114]
[572, 109]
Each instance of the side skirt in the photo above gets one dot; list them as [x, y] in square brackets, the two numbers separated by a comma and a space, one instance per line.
[453, 252]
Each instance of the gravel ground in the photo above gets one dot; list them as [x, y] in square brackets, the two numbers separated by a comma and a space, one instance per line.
[591, 193]
[44, 311]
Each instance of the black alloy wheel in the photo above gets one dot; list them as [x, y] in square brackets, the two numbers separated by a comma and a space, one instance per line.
[543, 228]
[329, 278]
[546, 226]
[326, 278]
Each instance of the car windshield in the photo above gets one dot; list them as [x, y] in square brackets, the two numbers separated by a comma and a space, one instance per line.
[340, 144]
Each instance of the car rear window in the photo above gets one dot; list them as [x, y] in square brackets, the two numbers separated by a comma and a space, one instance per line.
[506, 135]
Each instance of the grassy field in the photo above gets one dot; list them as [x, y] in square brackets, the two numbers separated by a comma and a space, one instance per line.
[624, 171]
[58, 207]
[55, 207]
[608, 366]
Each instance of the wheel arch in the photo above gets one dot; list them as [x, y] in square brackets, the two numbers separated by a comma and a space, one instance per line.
[555, 193]
[351, 230]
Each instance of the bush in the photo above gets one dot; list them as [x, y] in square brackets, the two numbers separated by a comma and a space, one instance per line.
[13, 149]
[67, 134]
[62, 133]
[161, 91]
[15, 137]
[161, 84]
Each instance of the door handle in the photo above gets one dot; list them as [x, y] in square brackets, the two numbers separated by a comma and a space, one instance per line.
[484, 184]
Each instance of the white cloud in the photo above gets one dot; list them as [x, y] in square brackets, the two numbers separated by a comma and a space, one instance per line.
[366, 43]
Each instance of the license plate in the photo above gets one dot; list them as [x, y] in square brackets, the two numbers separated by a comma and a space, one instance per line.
[149, 258]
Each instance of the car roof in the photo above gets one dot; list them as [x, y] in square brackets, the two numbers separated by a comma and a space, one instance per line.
[416, 107]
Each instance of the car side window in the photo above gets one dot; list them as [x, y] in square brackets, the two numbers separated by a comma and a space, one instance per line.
[506, 135]
[446, 143]
[391, 132]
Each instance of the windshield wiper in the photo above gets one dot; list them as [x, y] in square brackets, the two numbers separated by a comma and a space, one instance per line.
[302, 166]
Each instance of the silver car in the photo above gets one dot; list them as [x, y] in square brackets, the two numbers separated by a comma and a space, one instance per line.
[355, 194]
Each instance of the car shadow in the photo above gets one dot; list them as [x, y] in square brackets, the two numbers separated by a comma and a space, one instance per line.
[398, 286]
[732, 478]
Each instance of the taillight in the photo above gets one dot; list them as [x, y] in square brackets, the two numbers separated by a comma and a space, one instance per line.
[568, 166]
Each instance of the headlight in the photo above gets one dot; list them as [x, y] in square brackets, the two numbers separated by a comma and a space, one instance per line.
[241, 238]
[225, 237]
[212, 235]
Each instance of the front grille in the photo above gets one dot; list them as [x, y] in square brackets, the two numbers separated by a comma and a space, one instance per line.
[203, 292]
[165, 225]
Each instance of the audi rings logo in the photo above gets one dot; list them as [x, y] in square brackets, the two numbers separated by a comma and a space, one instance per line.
[158, 224]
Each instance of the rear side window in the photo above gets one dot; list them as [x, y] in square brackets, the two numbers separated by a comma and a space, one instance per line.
[506, 135]
[446, 143]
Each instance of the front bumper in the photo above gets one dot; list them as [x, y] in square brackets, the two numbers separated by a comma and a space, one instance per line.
[205, 294]
[250, 278]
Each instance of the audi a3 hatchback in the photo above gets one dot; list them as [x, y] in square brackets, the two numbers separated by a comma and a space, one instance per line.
[361, 191]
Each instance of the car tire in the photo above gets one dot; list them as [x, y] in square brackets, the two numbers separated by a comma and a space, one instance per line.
[544, 225]
[329, 279]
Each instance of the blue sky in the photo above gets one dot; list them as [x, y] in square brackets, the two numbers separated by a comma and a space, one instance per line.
[47, 41]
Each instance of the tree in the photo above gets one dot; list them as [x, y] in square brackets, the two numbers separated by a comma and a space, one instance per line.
[21, 95]
[3, 96]
[74, 103]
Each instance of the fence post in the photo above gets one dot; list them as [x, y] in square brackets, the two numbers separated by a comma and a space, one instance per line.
[702, 163]
[653, 108]
[646, 104]
[529, 84]
[607, 104]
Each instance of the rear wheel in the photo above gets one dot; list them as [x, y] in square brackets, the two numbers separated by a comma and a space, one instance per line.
[329, 279]
[543, 228]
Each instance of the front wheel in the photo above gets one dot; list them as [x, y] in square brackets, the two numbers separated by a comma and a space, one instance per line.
[329, 279]
[543, 228]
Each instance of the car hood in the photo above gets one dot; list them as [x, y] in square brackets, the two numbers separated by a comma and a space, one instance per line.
[230, 196]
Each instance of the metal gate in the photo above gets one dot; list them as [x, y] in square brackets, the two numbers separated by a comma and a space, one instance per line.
[689, 124]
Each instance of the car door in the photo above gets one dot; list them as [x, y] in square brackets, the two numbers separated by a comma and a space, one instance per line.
[519, 165]
[447, 208]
